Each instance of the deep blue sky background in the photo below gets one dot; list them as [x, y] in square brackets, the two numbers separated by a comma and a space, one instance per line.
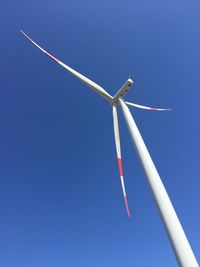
[61, 202]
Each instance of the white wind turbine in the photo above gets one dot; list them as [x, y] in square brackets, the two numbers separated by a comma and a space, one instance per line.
[177, 237]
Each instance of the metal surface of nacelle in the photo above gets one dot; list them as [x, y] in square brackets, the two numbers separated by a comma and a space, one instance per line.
[123, 90]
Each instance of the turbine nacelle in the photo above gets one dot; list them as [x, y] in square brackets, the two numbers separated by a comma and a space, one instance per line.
[122, 91]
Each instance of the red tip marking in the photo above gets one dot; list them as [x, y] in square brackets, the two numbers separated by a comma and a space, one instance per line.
[55, 59]
[120, 166]
[127, 208]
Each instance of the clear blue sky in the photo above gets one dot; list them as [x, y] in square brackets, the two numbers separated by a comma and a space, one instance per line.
[61, 201]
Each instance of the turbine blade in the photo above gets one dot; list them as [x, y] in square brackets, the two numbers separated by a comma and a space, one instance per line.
[98, 89]
[118, 149]
[148, 108]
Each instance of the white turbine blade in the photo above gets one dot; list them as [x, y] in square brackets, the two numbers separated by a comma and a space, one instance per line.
[118, 148]
[148, 108]
[98, 89]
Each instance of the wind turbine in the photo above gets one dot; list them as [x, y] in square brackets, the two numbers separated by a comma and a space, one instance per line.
[177, 237]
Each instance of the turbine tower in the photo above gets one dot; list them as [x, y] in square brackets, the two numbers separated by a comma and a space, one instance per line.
[177, 237]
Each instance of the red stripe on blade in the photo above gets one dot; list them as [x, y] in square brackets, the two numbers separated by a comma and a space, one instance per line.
[55, 59]
[127, 208]
[120, 166]
[153, 108]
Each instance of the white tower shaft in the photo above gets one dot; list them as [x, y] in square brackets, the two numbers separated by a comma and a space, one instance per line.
[180, 244]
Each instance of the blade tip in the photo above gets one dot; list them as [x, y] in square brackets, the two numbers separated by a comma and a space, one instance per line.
[127, 207]
[167, 109]
[21, 31]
